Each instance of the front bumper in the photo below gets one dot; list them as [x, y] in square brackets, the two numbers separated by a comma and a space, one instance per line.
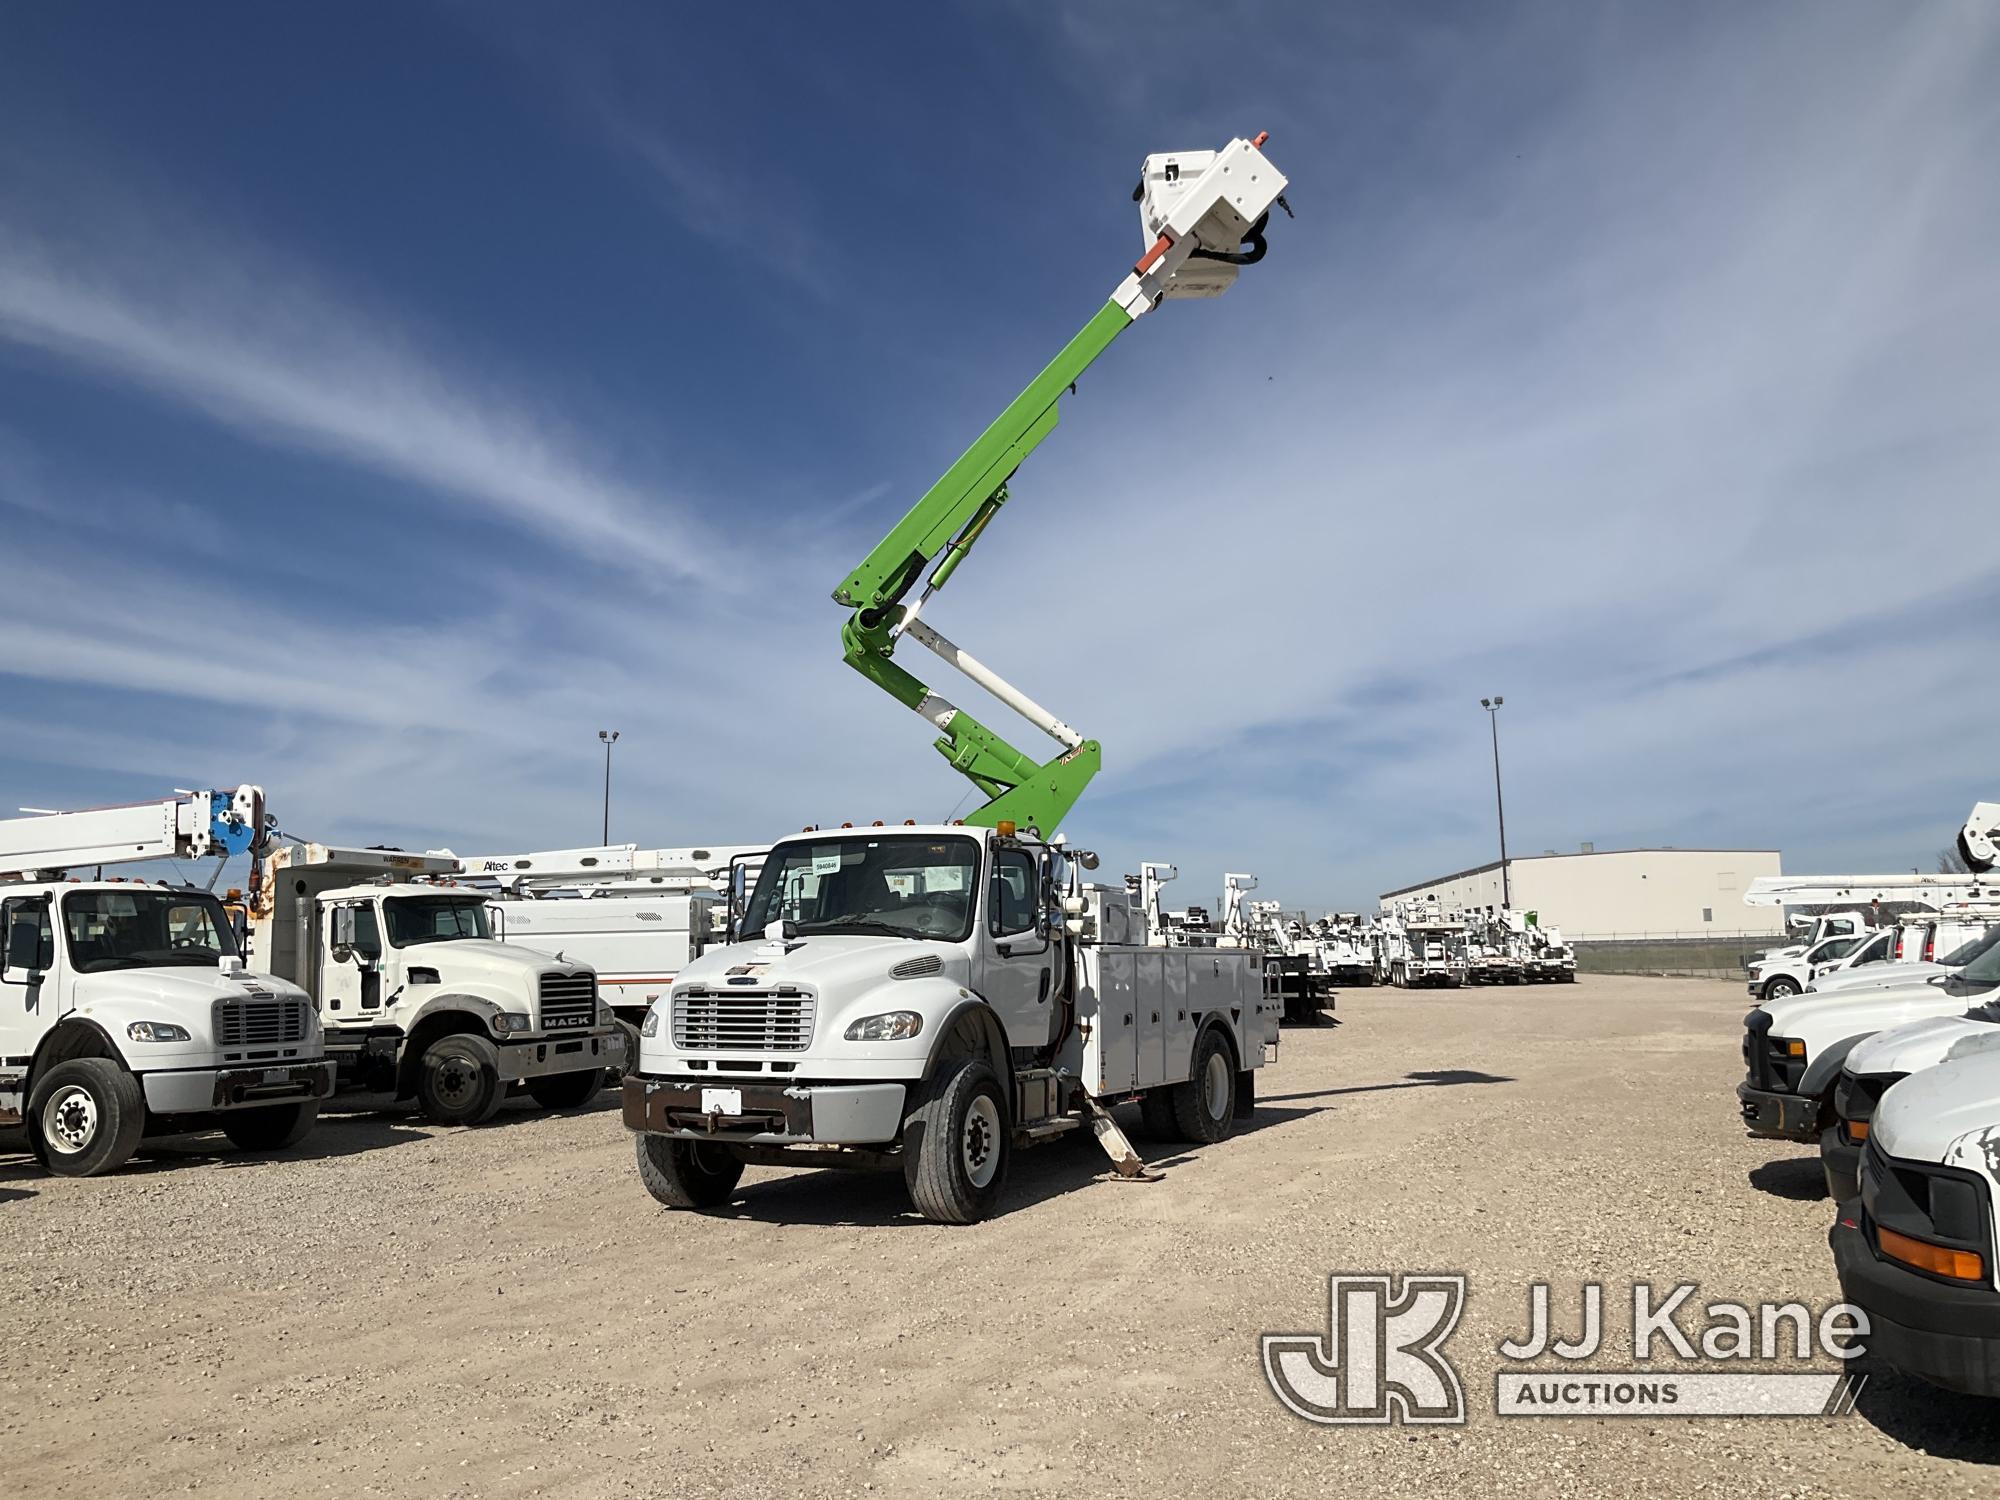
[1779, 1116]
[1948, 1335]
[845, 1114]
[197, 1091]
[520, 1061]
[1842, 1163]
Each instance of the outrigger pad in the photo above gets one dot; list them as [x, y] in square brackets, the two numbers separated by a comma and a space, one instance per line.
[1124, 1160]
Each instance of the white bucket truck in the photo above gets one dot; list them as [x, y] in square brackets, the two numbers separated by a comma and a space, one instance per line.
[417, 998]
[928, 999]
[125, 1007]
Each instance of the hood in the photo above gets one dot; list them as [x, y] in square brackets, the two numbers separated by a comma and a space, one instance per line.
[834, 965]
[1917, 1045]
[183, 991]
[1844, 1013]
[469, 960]
[1877, 976]
[1922, 1116]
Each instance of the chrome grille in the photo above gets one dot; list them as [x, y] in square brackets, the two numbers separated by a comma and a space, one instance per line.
[260, 1021]
[568, 1000]
[707, 1020]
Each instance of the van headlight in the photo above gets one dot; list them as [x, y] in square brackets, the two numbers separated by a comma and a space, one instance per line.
[891, 1026]
[157, 1031]
[651, 1025]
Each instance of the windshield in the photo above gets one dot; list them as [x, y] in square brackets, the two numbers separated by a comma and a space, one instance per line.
[913, 886]
[142, 929]
[1984, 969]
[434, 919]
[1967, 952]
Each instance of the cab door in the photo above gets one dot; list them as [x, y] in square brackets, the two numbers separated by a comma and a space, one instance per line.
[1017, 956]
[350, 961]
[27, 987]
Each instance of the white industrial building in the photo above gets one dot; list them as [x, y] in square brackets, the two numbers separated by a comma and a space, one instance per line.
[1597, 894]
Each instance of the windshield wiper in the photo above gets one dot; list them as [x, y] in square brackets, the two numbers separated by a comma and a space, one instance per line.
[854, 924]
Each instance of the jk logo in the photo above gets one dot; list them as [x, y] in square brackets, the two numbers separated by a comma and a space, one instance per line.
[1379, 1359]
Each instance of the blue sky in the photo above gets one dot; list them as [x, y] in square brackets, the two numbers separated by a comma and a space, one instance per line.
[392, 396]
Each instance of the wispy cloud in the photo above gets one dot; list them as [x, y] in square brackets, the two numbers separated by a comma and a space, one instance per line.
[222, 329]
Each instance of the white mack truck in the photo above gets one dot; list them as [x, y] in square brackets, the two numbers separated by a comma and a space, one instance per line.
[417, 998]
[928, 999]
[125, 1006]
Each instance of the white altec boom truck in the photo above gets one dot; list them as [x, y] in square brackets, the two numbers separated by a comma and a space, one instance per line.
[1795, 1046]
[416, 997]
[927, 999]
[125, 1008]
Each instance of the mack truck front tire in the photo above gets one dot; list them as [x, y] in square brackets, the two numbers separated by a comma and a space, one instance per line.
[687, 1174]
[567, 1090]
[273, 1127]
[956, 1144]
[458, 1080]
[86, 1117]
[1204, 1106]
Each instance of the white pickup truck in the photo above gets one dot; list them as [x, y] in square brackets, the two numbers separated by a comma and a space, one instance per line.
[926, 1000]
[1794, 1048]
[1915, 1245]
[1788, 973]
[1879, 1063]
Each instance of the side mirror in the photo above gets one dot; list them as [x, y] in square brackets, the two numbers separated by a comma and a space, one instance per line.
[342, 936]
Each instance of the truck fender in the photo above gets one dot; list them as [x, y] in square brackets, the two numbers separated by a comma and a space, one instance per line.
[75, 1037]
[1823, 1070]
[441, 1015]
[970, 1029]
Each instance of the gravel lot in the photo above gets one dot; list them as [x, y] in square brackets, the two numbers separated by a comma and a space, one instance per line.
[504, 1312]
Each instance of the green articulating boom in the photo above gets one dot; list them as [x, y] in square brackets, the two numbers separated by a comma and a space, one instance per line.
[1203, 215]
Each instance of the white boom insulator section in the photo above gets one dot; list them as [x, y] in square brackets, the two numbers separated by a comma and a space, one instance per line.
[995, 684]
[1934, 891]
[1979, 840]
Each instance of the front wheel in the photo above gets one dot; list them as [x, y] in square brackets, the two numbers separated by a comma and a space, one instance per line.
[1206, 1103]
[272, 1127]
[458, 1081]
[1781, 988]
[956, 1144]
[567, 1090]
[687, 1174]
[86, 1117]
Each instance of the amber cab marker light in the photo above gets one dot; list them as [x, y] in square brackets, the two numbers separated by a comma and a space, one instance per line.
[1959, 1265]
[1795, 1049]
[1857, 1130]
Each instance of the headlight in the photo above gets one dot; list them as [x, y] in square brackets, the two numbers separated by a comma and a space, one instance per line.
[651, 1025]
[894, 1026]
[604, 1015]
[510, 1021]
[157, 1031]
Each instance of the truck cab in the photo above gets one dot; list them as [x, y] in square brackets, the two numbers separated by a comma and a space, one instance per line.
[418, 999]
[927, 999]
[126, 1011]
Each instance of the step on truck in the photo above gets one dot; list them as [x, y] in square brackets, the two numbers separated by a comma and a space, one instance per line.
[126, 1009]
[929, 1000]
[417, 998]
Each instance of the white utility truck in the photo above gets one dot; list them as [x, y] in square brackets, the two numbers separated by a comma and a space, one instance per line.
[1926, 944]
[1883, 1060]
[928, 999]
[1916, 1246]
[1794, 1048]
[1788, 973]
[636, 916]
[417, 998]
[1425, 945]
[125, 1007]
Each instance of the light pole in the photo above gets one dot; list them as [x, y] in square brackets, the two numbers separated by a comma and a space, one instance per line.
[610, 738]
[1492, 707]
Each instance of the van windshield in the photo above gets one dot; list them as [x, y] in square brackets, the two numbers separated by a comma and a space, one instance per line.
[1967, 952]
[145, 929]
[899, 885]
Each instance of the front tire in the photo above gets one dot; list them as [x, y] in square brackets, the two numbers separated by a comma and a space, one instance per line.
[1781, 988]
[86, 1117]
[956, 1145]
[273, 1127]
[1205, 1105]
[687, 1174]
[567, 1090]
[458, 1080]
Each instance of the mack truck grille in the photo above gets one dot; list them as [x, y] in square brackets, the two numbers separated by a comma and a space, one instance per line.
[568, 1000]
[260, 1021]
[708, 1020]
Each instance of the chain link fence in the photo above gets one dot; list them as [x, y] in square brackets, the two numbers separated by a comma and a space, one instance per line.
[1680, 955]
